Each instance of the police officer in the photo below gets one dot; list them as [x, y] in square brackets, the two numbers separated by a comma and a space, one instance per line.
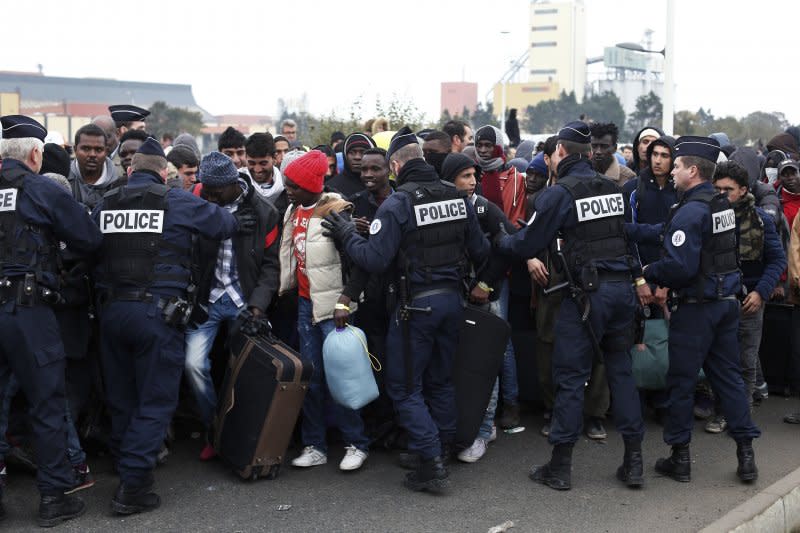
[35, 214]
[424, 230]
[700, 263]
[145, 294]
[582, 217]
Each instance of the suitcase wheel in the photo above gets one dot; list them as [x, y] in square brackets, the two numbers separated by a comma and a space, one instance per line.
[273, 472]
[255, 472]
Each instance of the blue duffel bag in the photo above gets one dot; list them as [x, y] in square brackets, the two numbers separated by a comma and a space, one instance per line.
[348, 368]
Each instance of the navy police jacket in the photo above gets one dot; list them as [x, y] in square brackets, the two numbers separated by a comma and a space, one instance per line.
[554, 211]
[395, 217]
[186, 215]
[47, 205]
[684, 236]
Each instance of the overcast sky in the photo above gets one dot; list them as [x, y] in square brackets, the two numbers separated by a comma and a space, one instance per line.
[242, 55]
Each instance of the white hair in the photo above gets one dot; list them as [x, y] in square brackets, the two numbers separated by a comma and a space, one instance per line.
[19, 149]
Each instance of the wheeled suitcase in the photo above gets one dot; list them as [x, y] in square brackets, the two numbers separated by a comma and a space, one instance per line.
[262, 394]
[479, 358]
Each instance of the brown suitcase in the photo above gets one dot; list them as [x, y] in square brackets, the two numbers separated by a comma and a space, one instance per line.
[262, 394]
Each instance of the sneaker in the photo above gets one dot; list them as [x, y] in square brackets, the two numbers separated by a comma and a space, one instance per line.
[703, 402]
[595, 429]
[760, 393]
[353, 458]
[208, 452]
[163, 454]
[493, 436]
[545, 431]
[310, 457]
[474, 452]
[83, 479]
[717, 424]
[792, 418]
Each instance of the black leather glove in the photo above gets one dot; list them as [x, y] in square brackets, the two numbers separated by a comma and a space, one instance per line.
[252, 325]
[248, 222]
[338, 227]
[498, 237]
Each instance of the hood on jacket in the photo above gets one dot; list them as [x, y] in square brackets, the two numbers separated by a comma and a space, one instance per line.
[666, 141]
[634, 164]
[355, 139]
[786, 143]
[748, 158]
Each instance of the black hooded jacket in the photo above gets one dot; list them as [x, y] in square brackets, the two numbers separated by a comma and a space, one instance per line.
[348, 182]
[634, 164]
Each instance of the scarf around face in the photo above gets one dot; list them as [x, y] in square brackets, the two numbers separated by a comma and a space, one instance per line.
[496, 162]
[751, 228]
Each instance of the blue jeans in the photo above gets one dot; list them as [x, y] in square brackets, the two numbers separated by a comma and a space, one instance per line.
[349, 421]
[75, 452]
[509, 371]
[508, 376]
[199, 341]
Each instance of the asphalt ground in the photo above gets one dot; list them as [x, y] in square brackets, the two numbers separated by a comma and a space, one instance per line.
[200, 496]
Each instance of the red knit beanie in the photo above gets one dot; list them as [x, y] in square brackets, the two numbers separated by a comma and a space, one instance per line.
[308, 171]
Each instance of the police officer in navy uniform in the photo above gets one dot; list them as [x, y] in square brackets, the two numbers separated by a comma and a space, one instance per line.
[582, 218]
[35, 214]
[700, 263]
[426, 230]
[145, 302]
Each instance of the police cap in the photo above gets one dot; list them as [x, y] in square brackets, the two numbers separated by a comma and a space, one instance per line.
[693, 145]
[151, 147]
[403, 137]
[21, 127]
[576, 131]
[127, 113]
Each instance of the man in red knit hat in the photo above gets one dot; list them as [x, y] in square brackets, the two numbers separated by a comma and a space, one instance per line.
[311, 263]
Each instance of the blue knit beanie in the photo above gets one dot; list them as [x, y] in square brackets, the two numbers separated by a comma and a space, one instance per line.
[218, 170]
[538, 164]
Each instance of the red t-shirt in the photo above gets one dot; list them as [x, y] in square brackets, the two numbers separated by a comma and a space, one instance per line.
[300, 222]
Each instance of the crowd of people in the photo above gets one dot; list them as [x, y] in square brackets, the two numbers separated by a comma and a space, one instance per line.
[125, 266]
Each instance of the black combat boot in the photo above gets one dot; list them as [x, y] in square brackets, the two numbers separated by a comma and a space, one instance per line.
[678, 466]
[747, 470]
[55, 508]
[631, 471]
[409, 460]
[556, 474]
[431, 475]
[130, 500]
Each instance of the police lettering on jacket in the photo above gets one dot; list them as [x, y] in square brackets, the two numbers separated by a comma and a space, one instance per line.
[723, 221]
[8, 200]
[132, 221]
[444, 211]
[596, 207]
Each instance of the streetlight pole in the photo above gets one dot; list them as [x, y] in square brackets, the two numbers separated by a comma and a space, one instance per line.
[669, 65]
[503, 100]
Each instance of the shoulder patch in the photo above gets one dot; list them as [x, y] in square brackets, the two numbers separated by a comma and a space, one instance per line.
[678, 238]
[375, 227]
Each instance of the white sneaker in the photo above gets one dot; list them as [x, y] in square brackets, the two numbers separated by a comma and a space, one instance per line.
[493, 436]
[353, 458]
[310, 457]
[474, 452]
